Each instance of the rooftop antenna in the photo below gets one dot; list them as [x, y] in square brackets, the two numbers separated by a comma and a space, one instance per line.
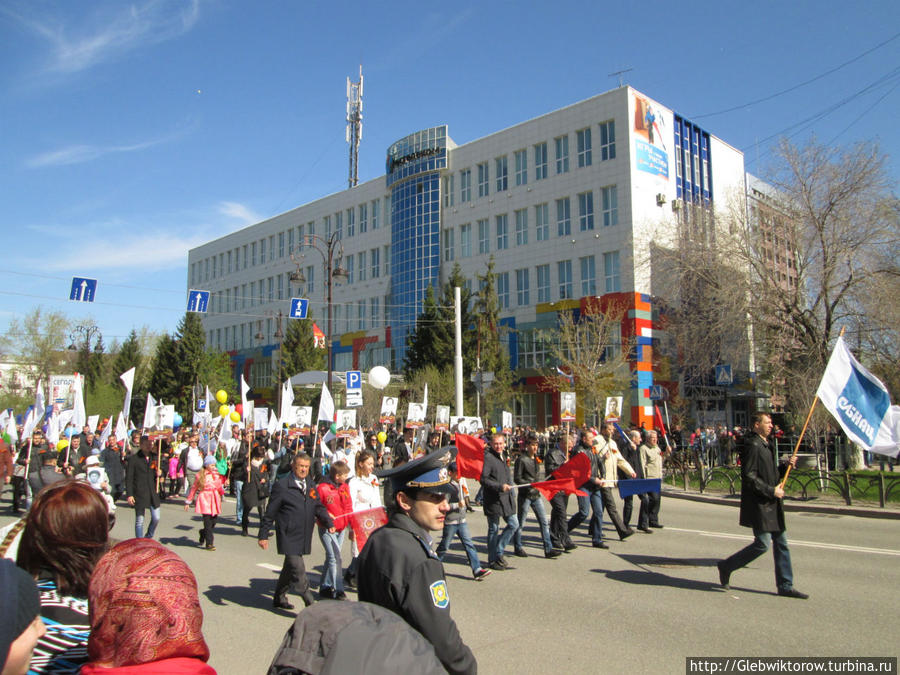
[619, 74]
[354, 125]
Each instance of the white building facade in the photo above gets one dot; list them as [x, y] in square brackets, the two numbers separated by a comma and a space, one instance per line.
[564, 203]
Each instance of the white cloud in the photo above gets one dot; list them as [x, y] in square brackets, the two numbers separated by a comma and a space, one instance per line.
[143, 251]
[79, 154]
[124, 28]
[239, 212]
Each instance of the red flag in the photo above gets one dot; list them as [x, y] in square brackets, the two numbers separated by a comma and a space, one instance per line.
[658, 423]
[318, 337]
[469, 456]
[548, 488]
[366, 522]
[578, 469]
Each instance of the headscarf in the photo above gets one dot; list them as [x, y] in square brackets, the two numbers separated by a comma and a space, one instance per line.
[20, 601]
[144, 607]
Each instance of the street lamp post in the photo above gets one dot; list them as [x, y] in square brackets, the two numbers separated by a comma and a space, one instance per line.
[84, 333]
[332, 251]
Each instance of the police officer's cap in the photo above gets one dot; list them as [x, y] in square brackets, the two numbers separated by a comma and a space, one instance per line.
[428, 474]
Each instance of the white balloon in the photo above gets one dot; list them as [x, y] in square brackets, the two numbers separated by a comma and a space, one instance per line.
[379, 377]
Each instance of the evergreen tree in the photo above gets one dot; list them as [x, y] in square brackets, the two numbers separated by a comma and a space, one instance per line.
[489, 347]
[298, 352]
[191, 353]
[164, 375]
[129, 356]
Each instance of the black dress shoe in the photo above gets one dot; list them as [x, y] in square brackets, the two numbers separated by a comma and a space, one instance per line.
[627, 533]
[600, 544]
[327, 592]
[496, 565]
[308, 598]
[645, 530]
[349, 580]
[570, 547]
[724, 575]
[521, 553]
[340, 595]
[282, 604]
[792, 593]
[657, 526]
[553, 553]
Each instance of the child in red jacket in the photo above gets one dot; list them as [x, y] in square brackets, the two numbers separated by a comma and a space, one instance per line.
[335, 495]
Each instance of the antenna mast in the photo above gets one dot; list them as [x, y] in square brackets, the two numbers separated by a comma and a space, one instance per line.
[354, 125]
[620, 73]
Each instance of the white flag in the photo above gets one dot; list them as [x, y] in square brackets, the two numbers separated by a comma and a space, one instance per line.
[92, 422]
[860, 403]
[36, 414]
[150, 412]
[121, 429]
[106, 433]
[79, 418]
[128, 380]
[326, 406]
[53, 428]
[273, 425]
[11, 430]
[287, 401]
[207, 409]
[245, 389]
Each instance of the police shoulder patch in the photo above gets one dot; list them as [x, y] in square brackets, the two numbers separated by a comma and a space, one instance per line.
[439, 595]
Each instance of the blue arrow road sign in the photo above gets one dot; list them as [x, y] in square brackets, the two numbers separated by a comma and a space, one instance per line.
[198, 301]
[299, 306]
[83, 290]
[354, 379]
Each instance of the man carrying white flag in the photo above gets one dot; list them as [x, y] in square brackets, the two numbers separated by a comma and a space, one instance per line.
[860, 403]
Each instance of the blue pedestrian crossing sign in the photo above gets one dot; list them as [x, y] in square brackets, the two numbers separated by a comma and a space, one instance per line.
[83, 290]
[723, 376]
[198, 301]
[299, 307]
[658, 393]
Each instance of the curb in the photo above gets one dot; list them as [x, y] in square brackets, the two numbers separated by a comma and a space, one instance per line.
[858, 511]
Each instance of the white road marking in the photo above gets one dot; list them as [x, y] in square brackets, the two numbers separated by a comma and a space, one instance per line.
[794, 542]
[269, 566]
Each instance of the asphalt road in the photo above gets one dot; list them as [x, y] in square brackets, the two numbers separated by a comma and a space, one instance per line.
[641, 606]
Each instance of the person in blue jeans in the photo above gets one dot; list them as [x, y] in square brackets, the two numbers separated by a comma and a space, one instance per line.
[526, 471]
[455, 525]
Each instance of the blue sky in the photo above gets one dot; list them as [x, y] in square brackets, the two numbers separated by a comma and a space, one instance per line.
[131, 132]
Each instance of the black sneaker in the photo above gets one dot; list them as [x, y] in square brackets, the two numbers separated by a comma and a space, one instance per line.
[521, 553]
[792, 593]
[481, 574]
[553, 553]
[570, 547]
[327, 592]
[497, 566]
[340, 595]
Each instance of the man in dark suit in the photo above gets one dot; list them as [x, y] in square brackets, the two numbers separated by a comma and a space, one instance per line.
[499, 501]
[140, 487]
[294, 507]
[763, 510]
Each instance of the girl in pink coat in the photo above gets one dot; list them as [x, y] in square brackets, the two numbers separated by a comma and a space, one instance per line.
[209, 488]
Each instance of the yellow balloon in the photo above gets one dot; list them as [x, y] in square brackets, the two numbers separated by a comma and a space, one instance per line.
[224, 410]
[382, 437]
[235, 417]
[221, 396]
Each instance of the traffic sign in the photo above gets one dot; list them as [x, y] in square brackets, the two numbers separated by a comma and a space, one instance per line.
[724, 376]
[658, 393]
[83, 290]
[198, 301]
[354, 379]
[299, 306]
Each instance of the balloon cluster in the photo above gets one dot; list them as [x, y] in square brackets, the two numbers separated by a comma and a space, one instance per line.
[233, 413]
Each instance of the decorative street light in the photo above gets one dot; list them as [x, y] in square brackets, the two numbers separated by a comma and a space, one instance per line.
[332, 251]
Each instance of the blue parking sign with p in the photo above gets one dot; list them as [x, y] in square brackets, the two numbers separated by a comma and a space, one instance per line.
[299, 307]
[354, 379]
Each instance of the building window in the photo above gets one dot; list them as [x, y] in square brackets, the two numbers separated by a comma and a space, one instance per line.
[448, 245]
[543, 283]
[252, 293]
[502, 174]
[465, 240]
[521, 158]
[610, 199]
[583, 141]
[361, 314]
[376, 205]
[386, 255]
[310, 280]
[271, 286]
[243, 296]
[503, 290]
[562, 153]
[448, 190]
[483, 246]
[311, 227]
[563, 217]
[521, 227]
[502, 222]
[522, 295]
[542, 221]
[611, 276]
[350, 267]
[564, 273]
[465, 185]
[483, 177]
[361, 265]
[326, 222]
[608, 140]
[375, 311]
[540, 161]
[351, 222]
[363, 218]
[253, 254]
[375, 262]
[229, 262]
[588, 276]
[586, 211]
[213, 267]
[339, 225]
[271, 247]
[280, 288]
[281, 244]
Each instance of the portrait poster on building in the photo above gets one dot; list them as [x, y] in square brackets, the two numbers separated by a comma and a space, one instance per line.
[346, 423]
[442, 418]
[651, 155]
[613, 408]
[388, 410]
[507, 422]
[415, 416]
[567, 406]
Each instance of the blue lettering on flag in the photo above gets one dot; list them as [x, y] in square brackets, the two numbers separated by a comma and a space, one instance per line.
[862, 404]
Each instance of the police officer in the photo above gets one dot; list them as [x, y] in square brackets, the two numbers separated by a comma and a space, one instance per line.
[398, 568]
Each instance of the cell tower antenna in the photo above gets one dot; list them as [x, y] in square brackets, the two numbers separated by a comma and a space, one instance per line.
[354, 125]
[620, 73]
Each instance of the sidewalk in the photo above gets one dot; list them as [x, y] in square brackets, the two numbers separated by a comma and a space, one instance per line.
[819, 504]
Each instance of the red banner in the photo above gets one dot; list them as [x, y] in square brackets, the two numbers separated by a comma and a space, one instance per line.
[469, 456]
[364, 523]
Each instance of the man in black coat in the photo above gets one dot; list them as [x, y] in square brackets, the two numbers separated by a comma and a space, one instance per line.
[559, 503]
[499, 500]
[632, 455]
[294, 507]
[762, 509]
[140, 487]
[111, 458]
[398, 569]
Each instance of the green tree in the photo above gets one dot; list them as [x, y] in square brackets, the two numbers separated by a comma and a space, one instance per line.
[37, 342]
[129, 356]
[163, 383]
[298, 351]
[191, 352]
[490, 352]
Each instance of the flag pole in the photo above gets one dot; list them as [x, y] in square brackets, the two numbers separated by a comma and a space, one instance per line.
[803, 431]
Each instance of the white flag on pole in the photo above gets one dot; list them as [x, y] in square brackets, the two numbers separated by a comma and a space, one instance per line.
[53, 428]
[128, 380]
[326, 406]
[36, 414]
[245, 389]
[79, 418]
[150, 412]
[92, 422]
[860, 403]
[106, 433]
[287, 401]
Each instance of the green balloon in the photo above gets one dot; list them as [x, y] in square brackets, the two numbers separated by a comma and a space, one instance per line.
[333, 428]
